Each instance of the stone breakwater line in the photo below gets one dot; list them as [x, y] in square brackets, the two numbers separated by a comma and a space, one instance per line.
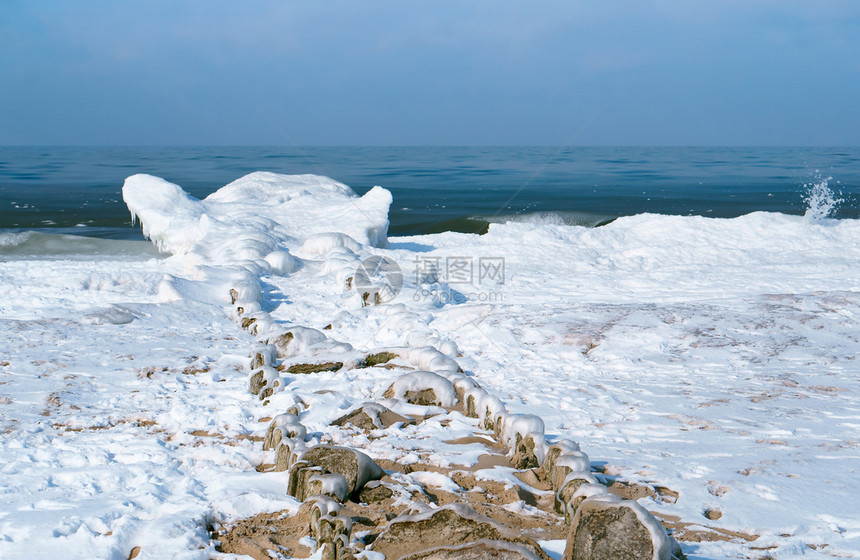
[374, 482]
[343, 488]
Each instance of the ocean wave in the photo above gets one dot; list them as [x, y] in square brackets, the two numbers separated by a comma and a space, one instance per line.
[585, 219]
[38, 245]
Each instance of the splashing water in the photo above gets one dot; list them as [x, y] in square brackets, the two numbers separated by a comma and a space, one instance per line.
[820, 200]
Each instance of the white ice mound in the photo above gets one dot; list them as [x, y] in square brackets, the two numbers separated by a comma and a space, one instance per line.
[253, 220]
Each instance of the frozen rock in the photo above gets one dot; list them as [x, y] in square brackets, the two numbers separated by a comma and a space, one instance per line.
[571, 484]
[281, 263]
[371, 416]
[444, 529]
[589, 490]
[283, 426]
[617, 530]
[378, 358]
[449, 348]
[423, 388]
[332, 485]
[300, 473]
[288, 451]
[295, 340]
[355, 467]
[305, 369]
[574, 461]
[430, 359]
[375, 491]
[264, 382]
[524, 454]
[262, 355]
[554, 452]
[480, 550]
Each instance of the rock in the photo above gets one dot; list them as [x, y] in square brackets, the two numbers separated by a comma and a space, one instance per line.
[287, 453]
[423, 388]
[360, 418]
[571, 484]
[331, 485]
[338, 549]
[524, 453]
[425, 397]
[283, 426]
[355, 467]
[378, 358]
[573, 461]
[617, 530]
[258, 381]
[554, 452]
[585, 491]
[480, 550]
[712, 513]
[296, 340]
[264, 381]
[447, 527]
[281, 343]
[374, 492]
[330, 529]
[300, 473]
[313, 368]
[371, 416]
[471, 407]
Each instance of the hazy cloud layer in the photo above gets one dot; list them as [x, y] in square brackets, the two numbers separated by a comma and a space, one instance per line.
[345, 72]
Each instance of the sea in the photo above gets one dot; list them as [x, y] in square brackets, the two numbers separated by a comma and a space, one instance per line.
[77, 190]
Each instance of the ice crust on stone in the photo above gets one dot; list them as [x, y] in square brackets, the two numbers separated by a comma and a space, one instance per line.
[446, 395]
[663, 545]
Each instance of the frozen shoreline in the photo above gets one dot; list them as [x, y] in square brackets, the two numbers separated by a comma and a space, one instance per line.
[678, 351]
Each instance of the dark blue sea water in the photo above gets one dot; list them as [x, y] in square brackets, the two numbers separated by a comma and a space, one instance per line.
[78, 189]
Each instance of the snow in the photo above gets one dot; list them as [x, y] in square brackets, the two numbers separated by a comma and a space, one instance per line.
[713, 357]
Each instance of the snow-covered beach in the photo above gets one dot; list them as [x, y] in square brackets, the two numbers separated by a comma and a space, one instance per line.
[714, 359]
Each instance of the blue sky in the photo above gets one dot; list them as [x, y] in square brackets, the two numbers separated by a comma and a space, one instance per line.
[660, 72]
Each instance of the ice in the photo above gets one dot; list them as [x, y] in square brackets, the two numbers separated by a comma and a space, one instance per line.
[256, 215]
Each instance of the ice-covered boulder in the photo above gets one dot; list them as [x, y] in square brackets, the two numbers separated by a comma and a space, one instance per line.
[566, 463]
[444, 529]
[480, 550]
[355, 467]
[423, 388]
[617, 530]
[370, 416]
[330, 529]
[332, 485]
[585, 491]
[264, 382]
[554, 452]
[571, 484]
[300, 473]
[283, 426]
[296, 340]
[288, 452]
[526, 451]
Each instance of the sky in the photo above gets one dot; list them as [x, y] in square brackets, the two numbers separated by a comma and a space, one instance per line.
[416, 72]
